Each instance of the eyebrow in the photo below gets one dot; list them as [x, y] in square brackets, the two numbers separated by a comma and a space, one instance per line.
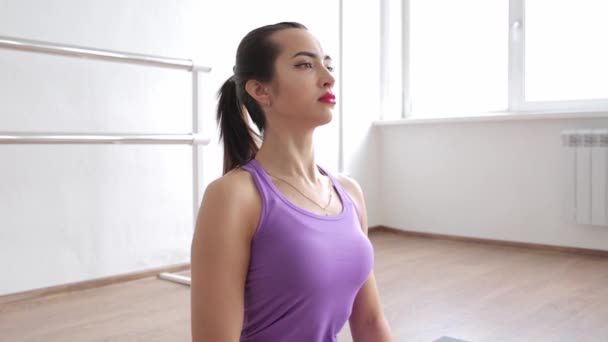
[311, 54]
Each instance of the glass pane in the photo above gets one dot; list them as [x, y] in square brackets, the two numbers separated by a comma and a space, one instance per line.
[565, 56]
[458, 56]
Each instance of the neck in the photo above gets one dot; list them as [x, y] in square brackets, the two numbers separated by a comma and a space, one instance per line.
[289, 155]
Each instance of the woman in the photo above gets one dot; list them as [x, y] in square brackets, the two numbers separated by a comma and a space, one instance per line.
[280, 251]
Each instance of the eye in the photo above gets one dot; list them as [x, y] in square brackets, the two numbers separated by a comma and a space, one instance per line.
[330, 68]
[305, 65]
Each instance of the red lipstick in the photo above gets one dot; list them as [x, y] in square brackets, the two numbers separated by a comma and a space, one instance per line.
[328, 98]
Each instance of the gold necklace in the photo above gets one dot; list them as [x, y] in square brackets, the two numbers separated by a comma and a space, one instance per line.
[310, 199]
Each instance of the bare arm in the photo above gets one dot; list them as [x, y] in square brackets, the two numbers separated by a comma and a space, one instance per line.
[367, 321]
[220, 258]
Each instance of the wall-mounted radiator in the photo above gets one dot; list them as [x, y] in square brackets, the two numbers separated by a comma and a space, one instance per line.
[586, 176]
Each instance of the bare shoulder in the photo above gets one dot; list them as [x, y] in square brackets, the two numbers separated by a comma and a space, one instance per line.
[352, 187]
[234, 183]
[233, 195]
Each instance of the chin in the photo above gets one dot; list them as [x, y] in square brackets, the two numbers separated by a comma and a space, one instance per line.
[325, 118]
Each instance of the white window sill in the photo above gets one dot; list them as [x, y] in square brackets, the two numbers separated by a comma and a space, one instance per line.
[490, 117]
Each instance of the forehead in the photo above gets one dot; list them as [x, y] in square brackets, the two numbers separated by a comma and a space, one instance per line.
[293, 41]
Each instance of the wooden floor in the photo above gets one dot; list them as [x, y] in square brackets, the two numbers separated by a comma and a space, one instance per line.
[429, 287]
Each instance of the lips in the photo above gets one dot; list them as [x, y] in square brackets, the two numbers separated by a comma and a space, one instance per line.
[328, 98]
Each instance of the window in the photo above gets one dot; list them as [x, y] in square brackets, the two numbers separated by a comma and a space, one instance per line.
[566, 54]
[479, 56]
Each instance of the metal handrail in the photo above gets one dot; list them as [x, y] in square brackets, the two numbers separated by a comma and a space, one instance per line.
[94, 138]
[193, 138]
[109, 55]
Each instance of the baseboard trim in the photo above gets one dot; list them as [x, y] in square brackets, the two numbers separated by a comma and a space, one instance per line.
[88, 284]
[562, 249]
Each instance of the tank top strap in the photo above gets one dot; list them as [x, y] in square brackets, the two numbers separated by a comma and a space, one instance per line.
[346, 199]
[258, 177]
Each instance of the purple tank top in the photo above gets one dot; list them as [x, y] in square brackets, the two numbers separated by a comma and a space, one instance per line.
[305, 269]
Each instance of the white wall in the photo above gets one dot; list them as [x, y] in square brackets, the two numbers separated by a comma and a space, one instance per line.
[361, 99]
[70, 213]
[498, 180]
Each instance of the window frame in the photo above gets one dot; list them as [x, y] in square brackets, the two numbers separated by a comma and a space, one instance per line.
[517, 103]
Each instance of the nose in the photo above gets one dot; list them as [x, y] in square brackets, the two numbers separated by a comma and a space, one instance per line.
[327, 79]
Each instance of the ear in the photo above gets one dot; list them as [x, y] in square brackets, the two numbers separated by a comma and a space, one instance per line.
[259, 92]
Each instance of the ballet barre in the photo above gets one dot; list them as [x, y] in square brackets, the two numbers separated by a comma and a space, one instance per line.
[96, 138]
[193, 138]
[91, 53]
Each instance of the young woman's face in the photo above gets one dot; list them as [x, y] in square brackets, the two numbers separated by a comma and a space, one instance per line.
[301, 90]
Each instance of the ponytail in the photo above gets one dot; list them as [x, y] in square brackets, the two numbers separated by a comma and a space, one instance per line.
[238, 137]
